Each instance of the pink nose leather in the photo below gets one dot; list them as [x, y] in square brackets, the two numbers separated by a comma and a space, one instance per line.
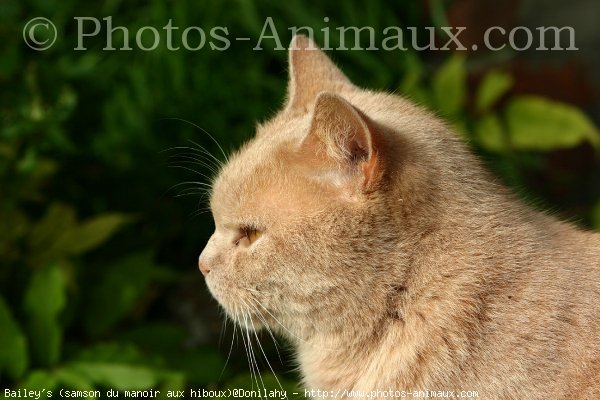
[203, 267]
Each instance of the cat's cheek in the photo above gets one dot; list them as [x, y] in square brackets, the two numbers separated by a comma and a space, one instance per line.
[218, 288]
[222, 292]
[212, 287]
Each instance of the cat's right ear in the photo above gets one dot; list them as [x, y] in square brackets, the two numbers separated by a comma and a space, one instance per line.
[311, 72]
[343, 143]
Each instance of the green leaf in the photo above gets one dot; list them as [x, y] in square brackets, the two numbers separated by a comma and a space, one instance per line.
[13, 351]
[39, 380]
[535, 123]
[490, 134]
[121, 353]
[73, 379]
[413, 74]
[450, 86]
[90, 234]
[117, 376]
[494, 85]
[45, 298]
[58, 218]
[156, 337]
[172, 381]
[120, 288]
[91, 365]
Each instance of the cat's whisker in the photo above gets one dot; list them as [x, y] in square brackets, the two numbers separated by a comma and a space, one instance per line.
[200, 153]
[195, 188]
[279, 322]
[199, 189]
[287, 330]
[194, 150]
[192, 191]
[193, 164]
[191, 170]
[223, 330]
[199, 212]
[267, 327]
[204, 131]
[208, 156]
[199, 183]
[200, 147]
[198, 150]
[264, 321]
[252, 357]
[199, 159]
[245, 346]
[230, 347]
[187, 194]
[265, 355]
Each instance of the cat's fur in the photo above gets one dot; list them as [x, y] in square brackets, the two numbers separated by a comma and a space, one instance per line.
[392, 259]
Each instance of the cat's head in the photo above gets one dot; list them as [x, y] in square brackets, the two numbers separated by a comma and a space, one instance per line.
[314, 214]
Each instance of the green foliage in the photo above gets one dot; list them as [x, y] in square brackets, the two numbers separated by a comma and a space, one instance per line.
[115, 375]
[535, 123]
[449, 86]
[13, 352]
[526, 122]
[116, 294]
[495, 84]
[45, 298]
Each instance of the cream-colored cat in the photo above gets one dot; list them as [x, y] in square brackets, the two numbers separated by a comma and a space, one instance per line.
[357, 225]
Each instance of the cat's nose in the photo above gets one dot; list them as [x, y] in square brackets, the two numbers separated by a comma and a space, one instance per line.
[203, 267]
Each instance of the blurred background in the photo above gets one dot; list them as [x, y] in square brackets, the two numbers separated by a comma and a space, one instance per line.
[100, 229]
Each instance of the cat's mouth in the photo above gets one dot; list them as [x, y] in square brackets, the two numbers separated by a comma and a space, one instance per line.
[242, 307]
[248, 312]
[250, 322]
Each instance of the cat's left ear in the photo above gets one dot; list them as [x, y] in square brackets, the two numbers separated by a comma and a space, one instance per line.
[345, 138]
[311, 72]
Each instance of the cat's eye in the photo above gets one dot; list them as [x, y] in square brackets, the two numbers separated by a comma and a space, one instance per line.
[248, 235]
[253, 234]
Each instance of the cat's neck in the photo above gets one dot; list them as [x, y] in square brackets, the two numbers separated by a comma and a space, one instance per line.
[458, 272]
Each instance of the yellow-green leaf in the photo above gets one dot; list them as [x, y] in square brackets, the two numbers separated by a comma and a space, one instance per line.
[117, 376]
[58, 218]
[90, 234]
[494, 85]
[450, 86]
[489, 133]
[42, 380]
[536, 123]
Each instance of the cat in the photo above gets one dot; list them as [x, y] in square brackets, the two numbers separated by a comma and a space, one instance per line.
[358, 226]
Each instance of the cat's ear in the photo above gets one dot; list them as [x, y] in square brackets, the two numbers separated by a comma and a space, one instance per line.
[345, 137]
[311, 72]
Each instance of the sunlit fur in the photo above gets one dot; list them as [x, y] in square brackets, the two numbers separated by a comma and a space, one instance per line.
[406, 266]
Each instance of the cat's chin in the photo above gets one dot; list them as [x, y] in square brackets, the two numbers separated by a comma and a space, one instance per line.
[248, 322]
[237, 309]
